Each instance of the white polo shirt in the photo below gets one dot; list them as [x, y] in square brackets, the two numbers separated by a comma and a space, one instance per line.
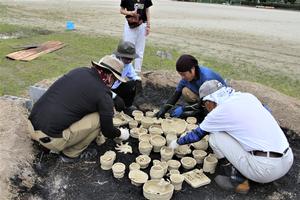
[243, 117]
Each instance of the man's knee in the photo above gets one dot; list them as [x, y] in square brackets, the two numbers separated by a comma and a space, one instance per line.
[189, 96]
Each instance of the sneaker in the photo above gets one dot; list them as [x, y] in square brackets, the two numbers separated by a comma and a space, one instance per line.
[226, 183]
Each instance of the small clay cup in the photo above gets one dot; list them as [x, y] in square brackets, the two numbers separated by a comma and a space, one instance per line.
[166, 153]
[134, 166]
[158, 142]
[133, 124]
[145, 147]
[201, 145]
[173, 164]
[188, 162]
[199, 155]
[177, 180]
[209, 164]
[118, 170]
[144, 137]
[156, 172]
[143, 161]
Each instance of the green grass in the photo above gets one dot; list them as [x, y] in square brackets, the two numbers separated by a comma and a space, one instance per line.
[16, 76]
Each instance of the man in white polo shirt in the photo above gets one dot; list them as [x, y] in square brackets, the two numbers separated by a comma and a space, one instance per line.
[244, 136]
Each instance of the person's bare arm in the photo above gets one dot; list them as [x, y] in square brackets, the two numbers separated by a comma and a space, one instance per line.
[124, 11]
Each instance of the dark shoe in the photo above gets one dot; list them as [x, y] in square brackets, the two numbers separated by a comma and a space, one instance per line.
[226, 183]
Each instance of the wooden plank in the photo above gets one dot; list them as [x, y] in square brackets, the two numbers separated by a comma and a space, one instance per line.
[30, 54]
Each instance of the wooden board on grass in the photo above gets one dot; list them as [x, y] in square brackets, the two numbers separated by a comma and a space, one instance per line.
[30, 54]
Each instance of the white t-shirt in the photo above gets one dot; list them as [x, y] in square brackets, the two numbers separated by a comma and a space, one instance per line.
[243, 117]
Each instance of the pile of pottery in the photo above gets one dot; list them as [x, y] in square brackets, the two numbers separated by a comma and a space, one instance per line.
[155, 135]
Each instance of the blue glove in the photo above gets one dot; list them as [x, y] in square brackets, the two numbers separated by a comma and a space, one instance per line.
[177, 112]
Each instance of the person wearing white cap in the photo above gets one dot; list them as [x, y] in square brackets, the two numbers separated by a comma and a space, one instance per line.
[77, 109]
[243, 135]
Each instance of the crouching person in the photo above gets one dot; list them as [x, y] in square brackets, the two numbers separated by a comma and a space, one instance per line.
[125, 92]
[244, 136]
[77, 108]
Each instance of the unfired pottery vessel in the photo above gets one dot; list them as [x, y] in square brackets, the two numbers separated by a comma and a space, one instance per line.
[143, 161]
[174, 171]
[188, 162]
[157, 172]
[199, 155]
[146, 122]
[118, 170]
[154, 130]
[209, 164]
[107, 160]
[158, 190]
[134, 166]
[190, 127]
[149, 114]
[137, 113]
[145, 147]
[182, 150]
[166, 153]
[191, 120]
[133, 124]
[138, 177]
[144, 137]
[136, 132]
[175, 124]
[158, 142]
[173, 164]
[177, 180]
[138, 118]
[201, 145]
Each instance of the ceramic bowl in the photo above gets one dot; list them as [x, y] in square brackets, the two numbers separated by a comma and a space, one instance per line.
[138, 177]
[137, 113]
[188, 162]
[158, 190]
[173, 164]
[157, 141]
[143, 161]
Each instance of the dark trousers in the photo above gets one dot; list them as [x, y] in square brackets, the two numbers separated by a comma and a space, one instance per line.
[127, 92]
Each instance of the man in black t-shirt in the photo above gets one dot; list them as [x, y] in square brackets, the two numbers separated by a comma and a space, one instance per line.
[77, 108]
[137, 26]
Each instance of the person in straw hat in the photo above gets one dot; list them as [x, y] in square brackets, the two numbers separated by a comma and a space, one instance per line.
[244, 136]
[77, 109]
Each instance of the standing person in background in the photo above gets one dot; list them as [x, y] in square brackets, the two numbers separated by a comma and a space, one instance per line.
[137, 26]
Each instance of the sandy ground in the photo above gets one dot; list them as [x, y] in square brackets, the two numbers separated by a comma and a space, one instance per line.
[264, 38]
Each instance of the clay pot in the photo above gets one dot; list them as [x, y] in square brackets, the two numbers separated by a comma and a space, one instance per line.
[174, 171]
[144, 137]
[170, 137]
[177, 180]
[158, 190]
[155, 130]
[166, 153]
[118, 122]
[175, 124]
[138, 177]
[146, 122]
[143, 161]
[201, 145]
[107, 160]
[199, 155]
[118, 170]
[158, 142]
[149, 114]
[156, 162]
[156, 172]
[191, 120]
[209, 164]
[133, 124]
[157, 121]
[138, 118]
[188, 162]
[190, 127]
[182, 150]
[173, 164]
[164, 165]
[145, 147]
[134, 166]
[137, 113]
[136, 132]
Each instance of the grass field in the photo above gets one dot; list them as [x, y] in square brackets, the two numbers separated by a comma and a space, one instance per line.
[16, 76]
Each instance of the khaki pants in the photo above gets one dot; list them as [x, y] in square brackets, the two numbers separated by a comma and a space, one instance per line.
[189, 96]
[75, 139]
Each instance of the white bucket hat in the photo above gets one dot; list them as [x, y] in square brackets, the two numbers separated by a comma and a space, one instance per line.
[112, 64]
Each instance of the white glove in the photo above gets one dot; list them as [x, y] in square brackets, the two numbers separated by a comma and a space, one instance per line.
[124, 134]
[173, 144]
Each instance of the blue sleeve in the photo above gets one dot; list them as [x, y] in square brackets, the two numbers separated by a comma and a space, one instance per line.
[180, 85]
[193, 136]
[211, 75]
[131, 74]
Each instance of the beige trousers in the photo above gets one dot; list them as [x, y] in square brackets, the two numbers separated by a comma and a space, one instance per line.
[189, 96]
[75, 139]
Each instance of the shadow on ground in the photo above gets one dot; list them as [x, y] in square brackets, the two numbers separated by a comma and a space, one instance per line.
[85, 179]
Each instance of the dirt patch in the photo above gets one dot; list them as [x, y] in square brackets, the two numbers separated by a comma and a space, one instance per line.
[85, 179]
[16, 151]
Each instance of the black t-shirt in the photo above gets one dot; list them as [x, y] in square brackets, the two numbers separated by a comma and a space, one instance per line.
[140, 4]
[70, 98]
